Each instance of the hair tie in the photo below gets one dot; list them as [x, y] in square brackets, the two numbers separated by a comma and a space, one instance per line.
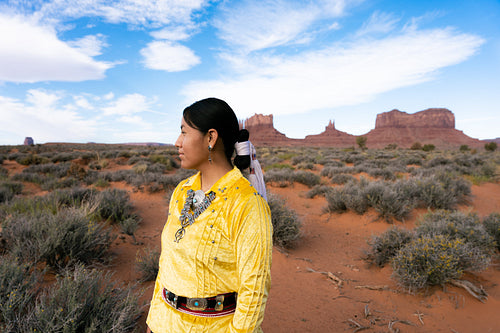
[256, 176]
[242, 148]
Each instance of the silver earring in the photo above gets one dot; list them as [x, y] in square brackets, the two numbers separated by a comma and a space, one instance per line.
[210, 153]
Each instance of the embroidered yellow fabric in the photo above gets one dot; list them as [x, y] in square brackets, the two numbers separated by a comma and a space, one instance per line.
[228, 248]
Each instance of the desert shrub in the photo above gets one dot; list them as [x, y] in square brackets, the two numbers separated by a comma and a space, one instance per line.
[110, 154]
[442, 191]
[29, 206]
[464, 148]
[279, 166]
[125, 154]
[412, 160]
[492, 225]
[416, 146]
[388, 202]
[74, 197]
[456, 224]
[391, 146]
[306, 177]
[171, 181]
[30, 159]
[439, 160]
[330, 162]
[155, 187]
[342, 178]
[140, 168]
[9, 189]
[318, 190]
[64, 157]
[336, 201]
[384, 173]
[4, 173]
[167, 160]
[484, 173]
[114, 205]
[331, 171]
[136, 159]
[102, 183]
[303, 159]
[407, 189]
[436, 260]
[50, 183]
[57, 239]
[355, 198]
[84, 300]
[14, 187]
[306, 166]
[58, 170]
[129, 226]
[353, 157]
[31, 177]
[428, 147]
[5, 194]
[18, 285]
[282, 177]
[286, 223]
[385, 246]
[77, 171]
[490, 146]
[147, 262]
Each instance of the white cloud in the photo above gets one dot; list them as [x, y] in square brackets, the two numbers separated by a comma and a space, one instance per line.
[128, 105]
[379, 22]
[168, 56]
[49, 116]
[82, 102]
[41, 117]
[175, 33]
[136, 12]
[32, 53]
[90, 45]
[340, 75]
[255, 25]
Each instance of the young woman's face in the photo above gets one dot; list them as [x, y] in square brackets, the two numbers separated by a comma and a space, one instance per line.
[193, 147]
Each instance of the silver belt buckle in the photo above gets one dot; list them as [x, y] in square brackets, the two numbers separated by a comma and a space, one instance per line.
[219, 302]
[172, 303]
[196, 304]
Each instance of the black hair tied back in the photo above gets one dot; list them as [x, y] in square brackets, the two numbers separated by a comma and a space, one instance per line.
[242, 161]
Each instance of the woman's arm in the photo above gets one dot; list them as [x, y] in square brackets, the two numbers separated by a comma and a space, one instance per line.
[253, 248]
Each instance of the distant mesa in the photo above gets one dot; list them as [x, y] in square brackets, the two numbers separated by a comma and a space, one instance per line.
[28, 141]
[431, 126]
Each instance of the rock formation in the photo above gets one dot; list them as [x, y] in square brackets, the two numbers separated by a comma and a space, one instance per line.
[28, 141]
[435, 118]
[263, 133]
[331, 137]
[431, 126]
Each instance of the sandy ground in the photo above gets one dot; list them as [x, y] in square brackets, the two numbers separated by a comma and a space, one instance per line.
[324, 285]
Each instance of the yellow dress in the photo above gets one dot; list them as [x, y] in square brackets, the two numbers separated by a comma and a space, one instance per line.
[227, 249]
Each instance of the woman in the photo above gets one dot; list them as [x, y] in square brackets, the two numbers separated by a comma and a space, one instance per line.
[214, 273]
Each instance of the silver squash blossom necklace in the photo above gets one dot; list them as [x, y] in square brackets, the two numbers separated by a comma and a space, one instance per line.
[196, 203]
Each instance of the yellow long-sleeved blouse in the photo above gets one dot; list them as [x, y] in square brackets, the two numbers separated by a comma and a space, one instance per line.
[227, 249]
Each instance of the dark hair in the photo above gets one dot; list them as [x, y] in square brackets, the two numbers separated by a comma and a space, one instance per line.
[242, 161]
[217, 114]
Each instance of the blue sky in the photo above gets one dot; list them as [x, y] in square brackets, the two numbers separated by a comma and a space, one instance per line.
[123, 71]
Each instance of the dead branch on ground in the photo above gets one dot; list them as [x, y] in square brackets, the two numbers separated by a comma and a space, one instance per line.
[478, 292]
[335, 279]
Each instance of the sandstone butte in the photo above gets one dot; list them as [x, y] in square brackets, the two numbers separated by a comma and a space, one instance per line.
[431, 126]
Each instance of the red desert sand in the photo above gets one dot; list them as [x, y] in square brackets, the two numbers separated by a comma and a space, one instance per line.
[323, 284]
